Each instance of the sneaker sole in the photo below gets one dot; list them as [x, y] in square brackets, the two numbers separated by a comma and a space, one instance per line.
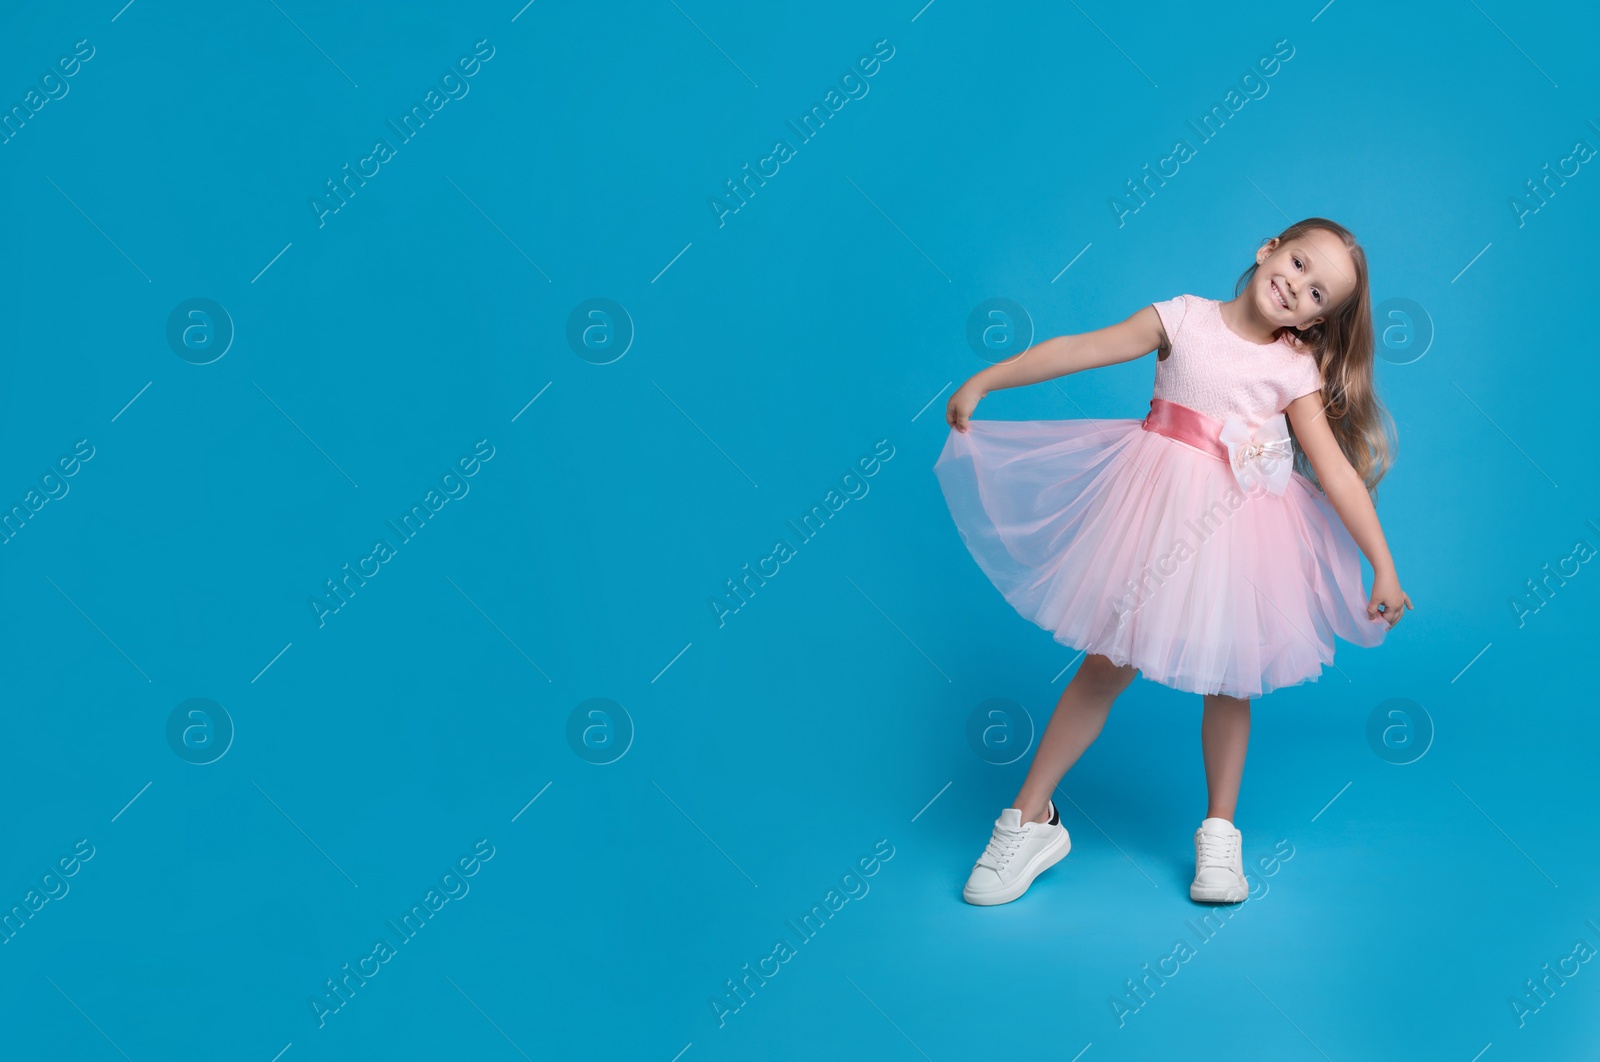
[1047, 858]
[1218, 893]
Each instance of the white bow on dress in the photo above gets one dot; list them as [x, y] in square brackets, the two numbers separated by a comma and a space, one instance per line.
[1265, 455]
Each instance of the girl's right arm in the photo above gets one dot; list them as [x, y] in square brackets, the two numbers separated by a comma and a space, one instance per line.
[1061, 356]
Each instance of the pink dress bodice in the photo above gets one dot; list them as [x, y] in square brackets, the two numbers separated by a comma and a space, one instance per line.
[1217, 372]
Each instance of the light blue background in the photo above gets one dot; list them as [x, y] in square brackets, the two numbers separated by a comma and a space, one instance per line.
[768, 354]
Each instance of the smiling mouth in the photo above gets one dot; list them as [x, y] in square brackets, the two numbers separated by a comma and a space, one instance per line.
[1278, 294]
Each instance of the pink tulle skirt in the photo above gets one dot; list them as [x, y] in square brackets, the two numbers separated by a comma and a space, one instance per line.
[1135, 545]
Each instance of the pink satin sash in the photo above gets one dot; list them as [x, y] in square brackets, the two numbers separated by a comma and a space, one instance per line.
[1186, 425]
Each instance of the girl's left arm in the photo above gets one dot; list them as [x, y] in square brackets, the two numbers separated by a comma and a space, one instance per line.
[1349, 498]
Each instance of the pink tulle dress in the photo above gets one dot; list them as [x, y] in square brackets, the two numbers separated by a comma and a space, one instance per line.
[1184, 544]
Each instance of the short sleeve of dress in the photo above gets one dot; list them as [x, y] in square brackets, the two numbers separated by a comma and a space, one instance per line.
[1172, 313]
[1305, 379]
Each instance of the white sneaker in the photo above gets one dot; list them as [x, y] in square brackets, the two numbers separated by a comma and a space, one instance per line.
[1017, 853]
[1218, 863]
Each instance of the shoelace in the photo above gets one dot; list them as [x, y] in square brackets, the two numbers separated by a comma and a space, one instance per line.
[1218, 851]
[1001, 847]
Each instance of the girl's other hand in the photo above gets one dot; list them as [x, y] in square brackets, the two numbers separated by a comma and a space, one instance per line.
[961, 405]
[1386, 592]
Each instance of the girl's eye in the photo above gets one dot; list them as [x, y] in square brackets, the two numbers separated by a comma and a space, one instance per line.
[1315, 294]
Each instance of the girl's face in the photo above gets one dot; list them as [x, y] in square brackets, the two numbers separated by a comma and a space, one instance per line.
[1297, 282]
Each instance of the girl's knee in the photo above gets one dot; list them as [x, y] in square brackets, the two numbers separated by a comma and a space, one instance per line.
[1105, 675]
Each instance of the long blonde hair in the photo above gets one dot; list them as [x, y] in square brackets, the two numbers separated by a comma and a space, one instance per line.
[1344, 347]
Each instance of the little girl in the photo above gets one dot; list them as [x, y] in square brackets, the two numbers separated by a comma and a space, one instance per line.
[1208, 547]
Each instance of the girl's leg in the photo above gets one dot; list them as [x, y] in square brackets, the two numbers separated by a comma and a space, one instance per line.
[1078, 718]
[1224, 735]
